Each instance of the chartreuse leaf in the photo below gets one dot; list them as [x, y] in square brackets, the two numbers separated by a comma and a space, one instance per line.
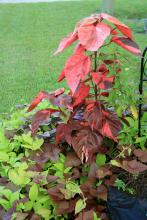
[80, 205]
[73, 187]
[4, 157]
[100, 159]
[28, 142]
[33, 193]
[134, 111]
[18, 175]
[95, 216]
[44, 213]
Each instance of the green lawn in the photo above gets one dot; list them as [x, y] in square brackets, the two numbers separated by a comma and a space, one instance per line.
[29, 35]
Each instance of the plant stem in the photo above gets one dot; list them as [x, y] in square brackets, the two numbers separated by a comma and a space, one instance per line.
[95, 69]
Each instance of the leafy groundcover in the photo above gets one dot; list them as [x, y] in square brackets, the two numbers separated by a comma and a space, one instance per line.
[59, 156]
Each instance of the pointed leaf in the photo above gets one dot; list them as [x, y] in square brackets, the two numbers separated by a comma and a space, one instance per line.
[76, 69]
[37, 100]
[122, 27]
[33, 193]
[80, 205]
[66, 42]
[103, 121]
[127, 44]
[80, 94]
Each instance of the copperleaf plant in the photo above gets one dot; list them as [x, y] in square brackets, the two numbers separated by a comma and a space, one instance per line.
[86, 120]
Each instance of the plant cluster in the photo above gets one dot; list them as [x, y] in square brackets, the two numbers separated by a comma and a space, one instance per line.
[58, 161]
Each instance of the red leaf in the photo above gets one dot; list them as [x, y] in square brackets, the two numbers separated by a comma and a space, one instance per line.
[79, 49]
[61, 76]
[66, 42]
[37, 100]
[85, 143]
[76, 69]
[72, 160]
[103, 121]
[92, 37]
[80, 94]
[141, 154]
[122, 27]
[127, 44]
[40, 117]
[111, 125]
[134, 166]
[101, 79]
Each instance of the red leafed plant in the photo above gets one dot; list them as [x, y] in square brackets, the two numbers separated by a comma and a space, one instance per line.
[87, 122]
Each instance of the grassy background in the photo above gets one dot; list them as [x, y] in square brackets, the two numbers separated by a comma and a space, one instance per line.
[31, 32]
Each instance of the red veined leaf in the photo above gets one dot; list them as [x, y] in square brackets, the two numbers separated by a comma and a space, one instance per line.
[92, 37]
[66, 42]
[133, 166]
[60, 133]
[61, 76]
[40, 117]
[64, 131]
[111, 125]
[76, 69]
[101, 79]
[80, 94]
[37, 100]
[55, 193]
[86, 142]
[61, 100]
[141, 154]
[105, 122]
[122, 27]
[127, 44]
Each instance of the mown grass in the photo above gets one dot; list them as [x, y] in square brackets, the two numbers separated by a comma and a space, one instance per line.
[29, 35]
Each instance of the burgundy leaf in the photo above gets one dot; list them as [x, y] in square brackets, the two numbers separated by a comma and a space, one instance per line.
[72, 160]
[48, 152]
[127, 44]
[80, 94]
[102, 192]
[141, 154]
[40, 117]
[133, 166]
[37, 100]
[85, 143]
[103, 121]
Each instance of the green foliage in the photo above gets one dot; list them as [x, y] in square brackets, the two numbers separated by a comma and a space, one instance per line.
[80, 205]
[120, 184]
[100, 159]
